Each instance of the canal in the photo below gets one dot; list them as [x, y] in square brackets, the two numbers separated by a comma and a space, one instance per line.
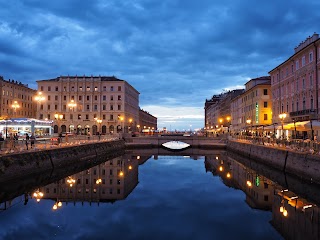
[140, 195]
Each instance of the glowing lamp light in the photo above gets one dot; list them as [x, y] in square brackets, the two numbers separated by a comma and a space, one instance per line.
[228, 175]
[55, 207]
[217, 157]
[249, 183]
[285, 212]
[220, 168]
[121, 173]
[130, 167]
[99, 181]
[281, 209]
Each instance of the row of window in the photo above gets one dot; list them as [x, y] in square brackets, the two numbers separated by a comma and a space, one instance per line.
[79, 190]
[299, 63]
[16, 95]
[80, 88]
[80, 108]
[284, 90]
[295, 106]
[253, 94]
[245, 118]
[79, 117]
[80, 98]
[21, 105]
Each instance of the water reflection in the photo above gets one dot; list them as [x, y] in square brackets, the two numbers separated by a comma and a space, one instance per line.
[294, 204]
[293, 216]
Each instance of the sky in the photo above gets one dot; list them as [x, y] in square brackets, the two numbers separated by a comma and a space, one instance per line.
[176, 53]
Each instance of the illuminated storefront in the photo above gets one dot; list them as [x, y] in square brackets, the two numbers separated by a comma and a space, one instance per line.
[21, 126]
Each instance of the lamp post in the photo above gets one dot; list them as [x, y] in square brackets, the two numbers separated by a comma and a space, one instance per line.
[130, 121]
[58, 117]
[282, 116]
[228, 120]
[248, 122]
[138, 126]
[72, 105]
[15, 105]
[99, 121]
[39, 98]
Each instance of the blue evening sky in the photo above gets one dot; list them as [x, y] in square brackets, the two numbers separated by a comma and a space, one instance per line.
[176, 53]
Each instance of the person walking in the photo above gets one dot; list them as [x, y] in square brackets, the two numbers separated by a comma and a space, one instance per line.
[32, 140]
[27, 140]
[1, 141]
[11, 142]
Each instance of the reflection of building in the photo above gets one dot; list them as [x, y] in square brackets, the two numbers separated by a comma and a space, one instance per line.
[258, 189]
[83, 100]
[109, 181]
[11, 91]
[294, 217]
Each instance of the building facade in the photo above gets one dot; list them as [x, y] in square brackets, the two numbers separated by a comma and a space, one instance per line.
[147, 122]
[295, 83]
[89, 104]
[253, 107]
[218, 111]
[16, 100]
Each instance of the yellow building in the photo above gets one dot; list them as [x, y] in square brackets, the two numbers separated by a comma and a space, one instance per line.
[253, 108]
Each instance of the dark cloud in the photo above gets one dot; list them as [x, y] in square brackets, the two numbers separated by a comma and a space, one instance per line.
[185, 49]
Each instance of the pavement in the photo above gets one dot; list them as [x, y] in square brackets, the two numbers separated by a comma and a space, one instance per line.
[51, 143]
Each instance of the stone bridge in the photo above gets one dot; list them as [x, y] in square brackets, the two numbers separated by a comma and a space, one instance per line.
[157, 141]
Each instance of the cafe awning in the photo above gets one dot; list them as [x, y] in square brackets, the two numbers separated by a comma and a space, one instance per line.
[304, 126]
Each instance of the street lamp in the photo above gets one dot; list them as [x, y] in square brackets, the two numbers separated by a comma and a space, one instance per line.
[39, 98]
[15, 105]
[282, 116]
[130, 121]
[228, 120]
[99, 121]
[58, 117]
[72, 105]
[248, 122]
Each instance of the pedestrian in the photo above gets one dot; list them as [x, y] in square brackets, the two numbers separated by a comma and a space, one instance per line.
[32, 140]
[27, 140]
[15, 139]
[1, 141]
[60, 138]
[11, 142]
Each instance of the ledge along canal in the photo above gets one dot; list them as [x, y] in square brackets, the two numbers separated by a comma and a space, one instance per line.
[141, 194]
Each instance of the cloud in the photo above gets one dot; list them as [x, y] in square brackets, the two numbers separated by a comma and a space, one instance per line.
[174, 52]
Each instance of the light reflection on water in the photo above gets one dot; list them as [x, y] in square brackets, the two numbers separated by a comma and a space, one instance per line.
[161, 197]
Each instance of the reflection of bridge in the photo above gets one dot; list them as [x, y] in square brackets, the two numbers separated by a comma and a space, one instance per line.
[157, 141]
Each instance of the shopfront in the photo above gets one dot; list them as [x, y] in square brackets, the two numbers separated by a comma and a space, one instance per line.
[21, 126]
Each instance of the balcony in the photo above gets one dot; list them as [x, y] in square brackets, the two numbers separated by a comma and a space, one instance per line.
[303, 112]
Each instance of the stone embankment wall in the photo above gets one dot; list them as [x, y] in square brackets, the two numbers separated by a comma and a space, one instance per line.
[302, 165]
[16, 165]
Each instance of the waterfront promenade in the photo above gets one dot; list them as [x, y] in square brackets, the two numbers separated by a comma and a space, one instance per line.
[46, 143]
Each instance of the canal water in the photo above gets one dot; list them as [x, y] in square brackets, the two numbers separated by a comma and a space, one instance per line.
[138, 196]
